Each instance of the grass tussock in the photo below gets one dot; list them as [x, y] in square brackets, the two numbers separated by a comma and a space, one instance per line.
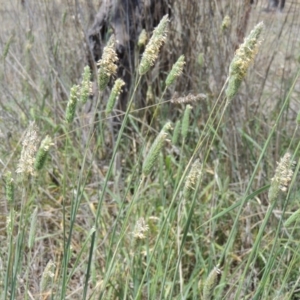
[179, 196]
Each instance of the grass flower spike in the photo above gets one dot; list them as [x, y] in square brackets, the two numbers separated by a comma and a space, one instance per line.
[42, 153]
[142, 40]
[72, 103]
[176, 71]
[186, 121]
[9, 188]
[107, 64]
[85, 85]
[176, 132]
[282, 178]
[151, 52]
[140, 230]
[242, 59]
[192, 179]
[30, 142]
[47, 278]
[116, 91]
[188, 99]
[211, 283]
[226, 23]
[155, 149]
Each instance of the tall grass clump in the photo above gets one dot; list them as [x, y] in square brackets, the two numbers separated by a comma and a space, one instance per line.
[190, 192]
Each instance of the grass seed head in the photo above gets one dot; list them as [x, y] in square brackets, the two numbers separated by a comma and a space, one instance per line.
[282, 178]
[140, 229]
[210, 283]
[176, 132]
[72, 103]
[152, 48]
[42, 153]
[155, 149]
[226, 23]
[9, 188]
[29, 149]
[243, 57]
[47, 277]
[85, 85]
[115, 92]
[143, 37]
[188, 99]
[186, 121]
[176, 71]
[192, 179]
[107, 64]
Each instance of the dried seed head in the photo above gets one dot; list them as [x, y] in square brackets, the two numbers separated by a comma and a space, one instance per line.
[186, 121]
[30, 142]
[42, 153]
[143, 37]
[140, 229]
[188, 99]
[176, 71]
[107, 64]
[85, 85]
[115, 92]
[9, 188]
[242, 59]
[210, 283]
[282, 178]
[192, 179]
[155, 149]
[152, 49]
[72, 103]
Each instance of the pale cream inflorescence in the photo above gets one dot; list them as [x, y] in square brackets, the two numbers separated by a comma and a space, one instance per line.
[47, 277]
[115, 92]
[30, 144]
[192, 179]
[187, 99]
[107, 64]
[140, 229]
[152, 48]
[282, 178]
[243, 57]
[211, 283]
